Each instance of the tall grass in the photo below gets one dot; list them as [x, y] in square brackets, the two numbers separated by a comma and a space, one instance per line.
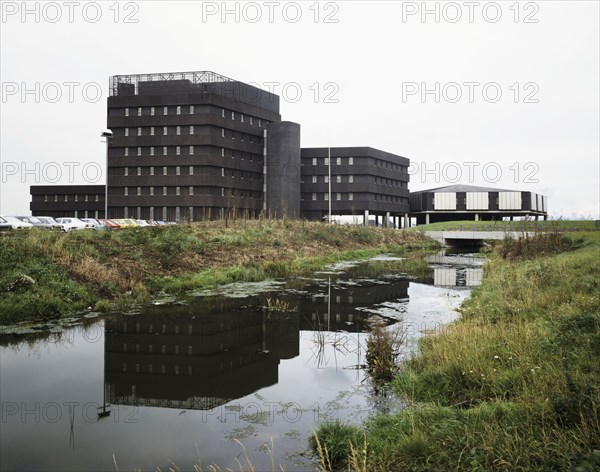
[514, 384]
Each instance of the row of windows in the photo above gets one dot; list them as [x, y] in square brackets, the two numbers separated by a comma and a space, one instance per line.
[350, 161]
[338, 161]
[340, 179]
[177, 191]
[350, 196]
[71, 198]
[182, 130]
[189, 110]
[183, 151]
[337, 196]
[181, 170]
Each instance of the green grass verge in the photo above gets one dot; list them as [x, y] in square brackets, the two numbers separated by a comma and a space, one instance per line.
[513, 385]
[549, 225]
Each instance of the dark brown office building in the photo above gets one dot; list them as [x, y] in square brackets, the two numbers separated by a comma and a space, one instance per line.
[79, 201]
[191, 146]
[363, 181]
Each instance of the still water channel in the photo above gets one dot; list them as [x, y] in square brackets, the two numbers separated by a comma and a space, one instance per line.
[194, 382]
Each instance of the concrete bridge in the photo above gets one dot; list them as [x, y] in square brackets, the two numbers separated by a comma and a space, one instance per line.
[462, 238]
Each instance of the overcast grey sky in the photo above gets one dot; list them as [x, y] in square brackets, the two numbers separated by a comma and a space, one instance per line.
[501, 94]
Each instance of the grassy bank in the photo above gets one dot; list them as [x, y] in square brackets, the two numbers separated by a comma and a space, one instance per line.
[549, 225]
[47, 275]
[513, 385]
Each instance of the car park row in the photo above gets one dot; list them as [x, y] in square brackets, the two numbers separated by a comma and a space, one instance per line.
[72, 224]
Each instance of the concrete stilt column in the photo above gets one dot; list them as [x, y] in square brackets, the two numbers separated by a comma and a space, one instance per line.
[387, 219]
[406, 221]
[366, 218]
[476, 216]
[427, 218]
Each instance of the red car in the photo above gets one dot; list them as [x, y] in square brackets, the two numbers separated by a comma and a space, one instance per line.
[110, 224]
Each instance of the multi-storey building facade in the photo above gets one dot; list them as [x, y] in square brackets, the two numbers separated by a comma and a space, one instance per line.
[79, 201]
[190, 146]
[363, 180]
[186, 146]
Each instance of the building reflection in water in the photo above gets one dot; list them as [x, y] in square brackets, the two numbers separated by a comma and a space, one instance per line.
[208, 353]
[456, 270]
[177, 356]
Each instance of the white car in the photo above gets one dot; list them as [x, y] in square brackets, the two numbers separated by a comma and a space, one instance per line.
[142, 223]
[16, 223]
[71, 224]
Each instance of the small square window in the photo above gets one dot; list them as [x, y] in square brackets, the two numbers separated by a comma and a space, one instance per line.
[151, 130]
[164, 150]
[152, 150]
[314, 196]
[178, 170]
[314, 179]
[139, 151]
[165, 110]
[191, 190]
[139, 111]
[350, 196]
[192, 129]
[179, 110]
[191, 109]
[178, 130]
[165, 170]
[178, 150]
[126, 111]
[191, 170]
[152, 170]
[191, 150]
[350, 161]
[350, 178]
[126, 131]
[314, 161]
[139, 171]
[152, 111]
[126, 153]
[125, 171]
[338, 161]
[223, 113]
[164, 130]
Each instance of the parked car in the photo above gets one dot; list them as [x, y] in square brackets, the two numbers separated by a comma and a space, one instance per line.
[50, 220]
[39, 223]
[95, 224]
[4, 225]
[142, 223]
[71, 224]
[125, 222]
[16, 223]
[110, 224]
